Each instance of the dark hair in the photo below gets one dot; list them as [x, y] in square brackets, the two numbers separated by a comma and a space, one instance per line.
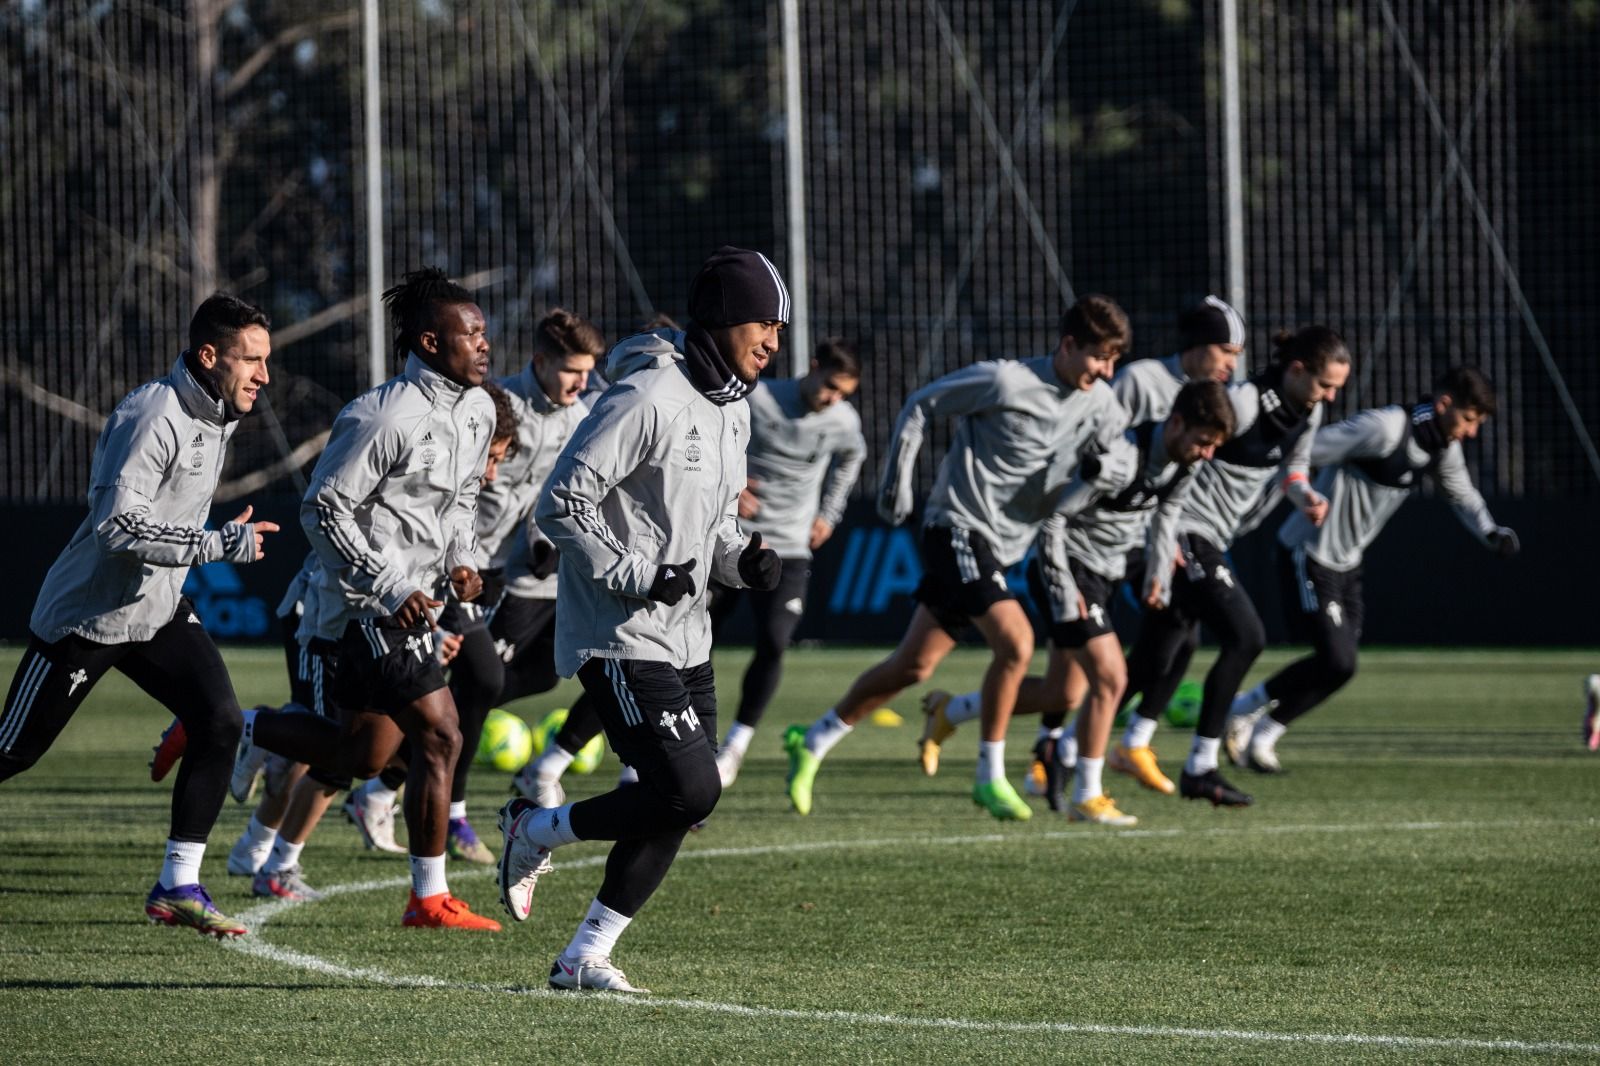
[837, 355]
[1205, 405]
[414, 303]
[220, 318]
[505, 417]
[1467, 387]
[1097, 320]
[659, 320]
[561, 333]
[1313, 347]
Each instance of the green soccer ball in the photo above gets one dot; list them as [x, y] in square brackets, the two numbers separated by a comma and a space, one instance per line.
[506, 743]
[588, 757]
[1184, 710]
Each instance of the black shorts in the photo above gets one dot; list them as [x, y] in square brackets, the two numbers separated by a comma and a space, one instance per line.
[1321, 604]
[524, 629]
[311, 669]
[653, 712]
[1097, 592]
[385, 669]
[1205, 583]
[458, 617]
[961, 578]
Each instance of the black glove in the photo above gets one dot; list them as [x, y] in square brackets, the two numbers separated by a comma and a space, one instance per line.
[542, 559]
[759, 567]
[673, 582]
[1503, 539]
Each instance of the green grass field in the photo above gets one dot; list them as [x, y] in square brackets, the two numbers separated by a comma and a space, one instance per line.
[1423, 886]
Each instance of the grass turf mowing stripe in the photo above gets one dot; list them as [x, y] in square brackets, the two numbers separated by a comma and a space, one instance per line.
[258, 917]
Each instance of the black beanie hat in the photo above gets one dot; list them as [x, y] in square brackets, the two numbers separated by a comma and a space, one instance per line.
[1210, 322]
[736, 285]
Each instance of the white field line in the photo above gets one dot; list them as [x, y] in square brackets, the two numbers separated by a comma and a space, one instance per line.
[258, 917]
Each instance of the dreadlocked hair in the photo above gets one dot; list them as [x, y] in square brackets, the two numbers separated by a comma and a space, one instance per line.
[415, 301]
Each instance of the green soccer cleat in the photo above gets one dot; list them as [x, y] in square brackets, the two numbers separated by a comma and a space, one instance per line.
[802, 768]
[1001, 800]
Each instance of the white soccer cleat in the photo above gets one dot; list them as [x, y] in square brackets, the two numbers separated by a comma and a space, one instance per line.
[728, 762]
[595, 973]
[1236, 732]
[522, 862]
[530, 785]
[247, 766]
[1262, 757]
[375, 820]
[246, 861]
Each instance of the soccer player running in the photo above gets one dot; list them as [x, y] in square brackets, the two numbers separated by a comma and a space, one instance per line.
[1276, 413]
[1368, 465]
[114, 597]
[806, 451]
[1095, 541]
[1021, 428]
[390, 513]
[642, 507]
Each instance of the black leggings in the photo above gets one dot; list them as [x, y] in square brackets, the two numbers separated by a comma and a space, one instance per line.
[1326, 608]
[777, 613]
[180, 668]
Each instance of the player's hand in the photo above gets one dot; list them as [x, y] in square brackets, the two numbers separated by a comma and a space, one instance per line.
[449, 646]
[821, 530]
[749, 506]
[259, 529]
[1154, 595]
[466, 584]
[1083, 607]
[417, 611]
[894, 503]
[1315, 509]
[1503, 539]
[673, 582]
[760, 568]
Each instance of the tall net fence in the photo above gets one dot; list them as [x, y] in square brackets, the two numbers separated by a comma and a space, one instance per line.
[1417, 174]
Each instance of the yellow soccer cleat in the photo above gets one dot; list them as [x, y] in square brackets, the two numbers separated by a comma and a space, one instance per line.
[1100, 810]
[936, 729]
[1140, 764]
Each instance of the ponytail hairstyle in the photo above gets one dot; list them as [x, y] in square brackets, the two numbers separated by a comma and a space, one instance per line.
[414, 305]
[561, 333]
[1313, 347]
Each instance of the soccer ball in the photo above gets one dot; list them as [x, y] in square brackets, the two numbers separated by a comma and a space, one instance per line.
[1184, 710]
[588, 757]
[506, 743]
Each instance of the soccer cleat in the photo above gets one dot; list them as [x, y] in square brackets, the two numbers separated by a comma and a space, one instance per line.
[530, 785]
[1140, 764]
[1236, 733]
[521, 860]
[444, 911]
[1046, 754]
[1211, 786]
[244, 860]
[1036, 781]
[1262, 757]
[375, 820]
[1100, 810]
[275, 774]
[247, 767]
[803, 766]
[463, 843]
[936, 729]
[595, 973]
[729, 761]
[284, 884]
[168, 750]
[1001, 800]
[1591, 713]
[190, 905]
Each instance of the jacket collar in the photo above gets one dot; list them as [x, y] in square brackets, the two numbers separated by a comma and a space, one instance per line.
[433, 384]
[533, 392]
[193, 397]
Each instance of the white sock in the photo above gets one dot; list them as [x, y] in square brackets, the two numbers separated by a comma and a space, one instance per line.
[258, 838]
[182, 864]
[1046, 733]
[1267, 732]
[1250, 702]
[1202, 756]
[964, 708]
[597, 933]
[375, 791]
[1140, 732]
[458, 810]
[627, 776]
[1067, 749]
[991, 760]
[825, 732]
[738, 739]
[1086, 779]
[550, 827]
[427, 875]
[285, 856]
[553, 762]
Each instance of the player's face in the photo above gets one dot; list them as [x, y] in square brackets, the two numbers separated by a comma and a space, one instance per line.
[1212, 362]
[821, 391]
[748, 347]
[458, 345]
[1457, 422]
[1189, 445]
[497, 455]
[239, 369]
[1080, 366]
[563, 377]
[1310, 389]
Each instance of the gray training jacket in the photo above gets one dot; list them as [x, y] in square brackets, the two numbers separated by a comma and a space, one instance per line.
[1016, 445]
[1358, 506]
[505, 505]
[1149, 387]
[804, 464]
[651, 477]
[392, 502]
[155, 469]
